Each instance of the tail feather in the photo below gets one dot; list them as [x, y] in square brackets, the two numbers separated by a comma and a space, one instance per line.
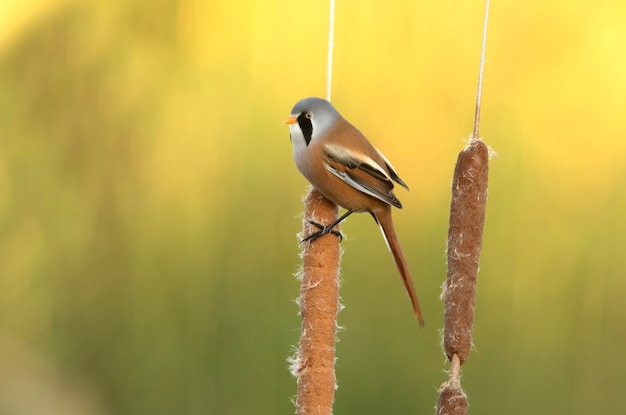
[384, 220]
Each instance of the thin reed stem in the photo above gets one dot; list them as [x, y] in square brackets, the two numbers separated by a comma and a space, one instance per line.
[481, 71]
[331, 44]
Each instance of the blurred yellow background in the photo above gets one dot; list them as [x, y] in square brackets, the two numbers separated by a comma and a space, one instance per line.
[149, 203]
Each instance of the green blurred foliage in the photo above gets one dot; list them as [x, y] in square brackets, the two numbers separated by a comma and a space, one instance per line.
[149, 204]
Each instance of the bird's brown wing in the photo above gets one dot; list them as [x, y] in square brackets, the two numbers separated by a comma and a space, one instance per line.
[361, 172]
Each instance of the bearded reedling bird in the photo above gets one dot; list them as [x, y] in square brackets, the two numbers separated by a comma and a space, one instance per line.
[347, 169]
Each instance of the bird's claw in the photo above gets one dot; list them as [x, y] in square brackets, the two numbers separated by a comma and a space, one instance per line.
[323, 231]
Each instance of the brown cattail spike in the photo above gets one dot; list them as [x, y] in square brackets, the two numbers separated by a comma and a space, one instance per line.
[314, 362]
[467, 218]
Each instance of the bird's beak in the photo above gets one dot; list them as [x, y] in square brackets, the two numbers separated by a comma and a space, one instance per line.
[290, 120]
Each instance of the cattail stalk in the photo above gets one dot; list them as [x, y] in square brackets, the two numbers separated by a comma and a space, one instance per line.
[467, 219]
[465, 240]
[314, 362]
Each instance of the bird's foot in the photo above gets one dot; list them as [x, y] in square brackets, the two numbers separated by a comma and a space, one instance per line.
[323, 230]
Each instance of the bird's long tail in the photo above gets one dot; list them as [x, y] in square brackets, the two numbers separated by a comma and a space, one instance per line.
[386, 225]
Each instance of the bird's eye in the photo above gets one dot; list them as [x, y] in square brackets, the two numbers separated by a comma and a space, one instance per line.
[309, 115]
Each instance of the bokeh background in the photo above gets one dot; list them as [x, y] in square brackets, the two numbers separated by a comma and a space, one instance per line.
[149, 203]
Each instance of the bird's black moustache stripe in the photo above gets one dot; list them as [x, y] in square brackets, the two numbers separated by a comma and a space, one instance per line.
[306, 126]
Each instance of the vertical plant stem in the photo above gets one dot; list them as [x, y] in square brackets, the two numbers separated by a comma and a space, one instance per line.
[331, 44]
[314, 363]
[481, 71]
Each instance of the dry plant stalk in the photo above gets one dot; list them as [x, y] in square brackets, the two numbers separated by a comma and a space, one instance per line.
[314, 362]
[467, 219]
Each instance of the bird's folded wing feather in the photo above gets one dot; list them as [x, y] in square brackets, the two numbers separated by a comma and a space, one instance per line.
[392, 172]
[361, 172]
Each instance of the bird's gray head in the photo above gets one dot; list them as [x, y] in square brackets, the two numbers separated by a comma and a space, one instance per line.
[311, 118]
